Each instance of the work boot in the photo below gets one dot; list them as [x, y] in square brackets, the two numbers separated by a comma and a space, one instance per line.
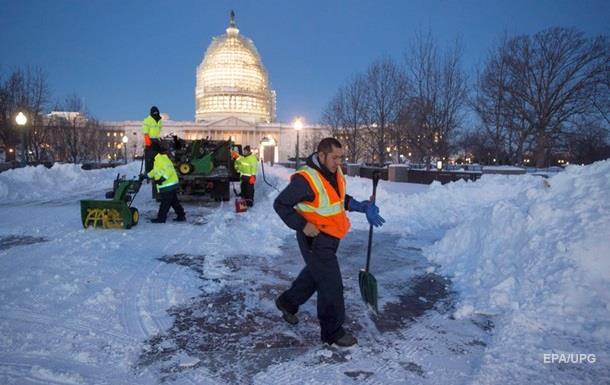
[346, 340]
[156, 220]
[180, 219]
[286, 315]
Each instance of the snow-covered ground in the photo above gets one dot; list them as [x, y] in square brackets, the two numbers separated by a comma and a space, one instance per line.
[497, 281]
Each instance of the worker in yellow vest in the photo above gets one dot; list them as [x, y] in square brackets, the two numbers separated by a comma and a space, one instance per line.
[314, 204]
[164, 174]
[246, 166]
[151, 129]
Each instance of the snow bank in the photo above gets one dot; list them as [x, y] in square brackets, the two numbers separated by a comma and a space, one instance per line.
[528, 243]
[532, 252]
[17, 185]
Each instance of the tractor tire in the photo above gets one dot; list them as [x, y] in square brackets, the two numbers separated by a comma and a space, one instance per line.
[186, 168]
[135, 216]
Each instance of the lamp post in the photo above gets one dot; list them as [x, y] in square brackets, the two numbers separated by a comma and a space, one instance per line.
[21, 120]
[125, 140]
[298, 124]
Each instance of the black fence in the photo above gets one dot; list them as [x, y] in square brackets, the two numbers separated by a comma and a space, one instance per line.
[420, 176]
[429, 176]
[367, 172]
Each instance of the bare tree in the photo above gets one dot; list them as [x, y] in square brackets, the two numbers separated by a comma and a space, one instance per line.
[24, 90]
[346, 115]
[387, 91]
[71, 130]
[587, 141]
[554, 75]
[437, 99]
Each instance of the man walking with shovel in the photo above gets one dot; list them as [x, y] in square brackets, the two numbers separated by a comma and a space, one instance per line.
[315, 204]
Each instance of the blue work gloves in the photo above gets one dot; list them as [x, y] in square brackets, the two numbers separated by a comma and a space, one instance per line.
[372, 215]
[371, 210]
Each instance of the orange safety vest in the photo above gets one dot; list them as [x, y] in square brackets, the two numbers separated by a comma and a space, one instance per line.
[327, 210]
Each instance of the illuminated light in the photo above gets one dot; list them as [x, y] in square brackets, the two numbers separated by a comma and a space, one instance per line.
[232, 81]
[10, 150]
[267, 141]
[439, 165]
[21, 119]
[298, 124]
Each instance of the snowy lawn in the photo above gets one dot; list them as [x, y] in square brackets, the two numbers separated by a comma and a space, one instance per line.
[478, 282]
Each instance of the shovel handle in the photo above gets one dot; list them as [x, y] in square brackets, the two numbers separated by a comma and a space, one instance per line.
[368, 251]
[376, 177]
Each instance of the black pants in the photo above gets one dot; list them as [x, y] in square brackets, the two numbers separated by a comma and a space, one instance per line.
[149, 160]
[247, 190]
[149, 155]
[321, 274]
[169, 199]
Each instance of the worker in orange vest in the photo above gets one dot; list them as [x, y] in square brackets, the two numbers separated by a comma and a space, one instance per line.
[315, 204]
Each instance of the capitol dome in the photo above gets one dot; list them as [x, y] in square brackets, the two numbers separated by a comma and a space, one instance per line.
[232, 82]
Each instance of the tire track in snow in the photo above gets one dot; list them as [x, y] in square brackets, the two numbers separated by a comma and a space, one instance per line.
[45, 369]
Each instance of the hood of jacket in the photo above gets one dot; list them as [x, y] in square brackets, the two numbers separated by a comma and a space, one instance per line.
[313, 161]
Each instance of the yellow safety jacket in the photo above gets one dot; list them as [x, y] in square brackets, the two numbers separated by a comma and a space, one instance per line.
[327, 210]
[151, 127]
[246, 165]
[164, 168]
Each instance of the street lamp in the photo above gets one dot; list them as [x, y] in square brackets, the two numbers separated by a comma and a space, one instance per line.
[21, 120]
[298, 124]
[125, 140]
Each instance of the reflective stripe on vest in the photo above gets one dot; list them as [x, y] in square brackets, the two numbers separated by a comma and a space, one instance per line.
[327, 210]
[151, 127]
[163, 167]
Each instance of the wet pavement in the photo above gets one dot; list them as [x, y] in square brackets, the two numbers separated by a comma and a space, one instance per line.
[9, 241]
[236, 333]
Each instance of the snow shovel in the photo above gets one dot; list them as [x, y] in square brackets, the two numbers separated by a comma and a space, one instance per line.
[366, 280]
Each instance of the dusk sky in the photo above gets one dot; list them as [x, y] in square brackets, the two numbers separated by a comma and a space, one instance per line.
[123, 56]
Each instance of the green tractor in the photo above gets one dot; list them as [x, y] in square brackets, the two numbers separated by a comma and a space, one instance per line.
[205, 167]
[115, 212]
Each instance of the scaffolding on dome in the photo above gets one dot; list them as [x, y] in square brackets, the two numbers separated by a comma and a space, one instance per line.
[232, 81]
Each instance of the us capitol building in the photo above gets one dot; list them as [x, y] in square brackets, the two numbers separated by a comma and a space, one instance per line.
[233, 100]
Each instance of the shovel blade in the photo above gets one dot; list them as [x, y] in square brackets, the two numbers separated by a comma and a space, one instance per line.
[368, 288]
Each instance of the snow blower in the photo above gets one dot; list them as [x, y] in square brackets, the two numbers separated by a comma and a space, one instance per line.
[115, 212]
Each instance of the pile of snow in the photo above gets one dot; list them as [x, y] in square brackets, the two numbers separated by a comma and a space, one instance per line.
[532, 252]
[34, 183]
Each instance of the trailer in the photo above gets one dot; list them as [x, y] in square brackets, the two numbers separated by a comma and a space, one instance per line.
[205, 167]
